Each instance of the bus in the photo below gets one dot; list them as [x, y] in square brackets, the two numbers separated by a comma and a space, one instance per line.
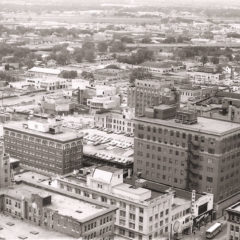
[213, 230]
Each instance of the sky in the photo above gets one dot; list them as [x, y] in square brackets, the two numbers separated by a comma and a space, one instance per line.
[206, 3]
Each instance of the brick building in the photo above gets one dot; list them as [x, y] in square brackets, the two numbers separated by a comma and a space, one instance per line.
[147, 93]
[189, 152]
[43, 145]
[70, 215]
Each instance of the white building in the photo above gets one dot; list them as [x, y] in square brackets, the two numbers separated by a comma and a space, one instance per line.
[116, 121]
[142, 214]
[80, 83]
[43, 72]
[189, 93]
[204, 78]
[49, 84]
[104, 103]
[103, 90]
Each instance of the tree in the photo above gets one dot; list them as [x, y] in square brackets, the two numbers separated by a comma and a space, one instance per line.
[146, 40]
[219, 69]
[169, 40]
[89, 55]
[112, 66]
[143, 54]
[88, 45]
[126, 39]
[62, 59]
[6, 76]
[68, 74]
[78, 55]
[140, 74]
[215, 60]
[237, 57]
[87, 75]
[117, 46]
[102, 47]
[204, 60]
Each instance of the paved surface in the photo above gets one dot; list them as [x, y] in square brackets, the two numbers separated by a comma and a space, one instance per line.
[21, 228]
[200, 234]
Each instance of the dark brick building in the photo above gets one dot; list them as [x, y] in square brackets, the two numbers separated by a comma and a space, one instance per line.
[43, 145]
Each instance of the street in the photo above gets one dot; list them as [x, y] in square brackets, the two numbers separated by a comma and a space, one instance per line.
[200, 235]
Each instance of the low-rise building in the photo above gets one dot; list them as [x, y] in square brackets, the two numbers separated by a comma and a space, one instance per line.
[69, 214]
[116, 121]
[233, 222]
[57, 104]
[205, 77]
[43, 72]
[49, 83]
[104, 103]
[162, 67]
[189, 93]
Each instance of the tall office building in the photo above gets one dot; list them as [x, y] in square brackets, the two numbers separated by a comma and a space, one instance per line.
[5, 170]
[147, 93]
[187, 151]
[43, 145]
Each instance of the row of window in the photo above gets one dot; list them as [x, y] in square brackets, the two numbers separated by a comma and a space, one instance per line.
[41, 141]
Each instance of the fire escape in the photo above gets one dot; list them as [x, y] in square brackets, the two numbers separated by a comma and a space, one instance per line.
[193, 171]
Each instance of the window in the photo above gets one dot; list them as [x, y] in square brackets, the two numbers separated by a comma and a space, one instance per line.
[132, 216]
[132, 207]
[131, 234]
[121, 231]
[210, 161]
[122, 213]
[132, 225]
[122, 222]
[210, 179]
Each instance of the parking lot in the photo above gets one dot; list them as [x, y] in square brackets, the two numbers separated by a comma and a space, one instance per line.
[108, 146]
[15, 229]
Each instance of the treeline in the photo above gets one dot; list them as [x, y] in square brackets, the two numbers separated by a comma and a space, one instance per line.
[191, 52]
[15, 54]
[139, 57]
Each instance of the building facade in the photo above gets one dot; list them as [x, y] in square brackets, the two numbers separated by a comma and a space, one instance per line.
[142, 214]
[148, 93]
[115, 121]
[44, 146]
[69, 215]
[5, 169]
[201, 154]
[233, 222]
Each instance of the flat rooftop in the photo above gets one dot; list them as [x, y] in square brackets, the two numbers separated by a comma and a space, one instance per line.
[127, 188]
[67, 206]
[235, 207]
[24, 229]
[66, 135]
[204, 125]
